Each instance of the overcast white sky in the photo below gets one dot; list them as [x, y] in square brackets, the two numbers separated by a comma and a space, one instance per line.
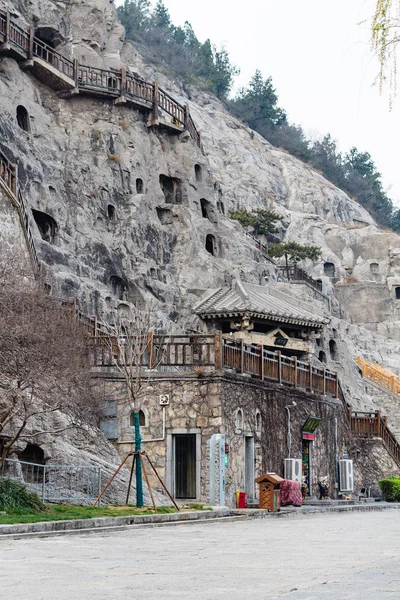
[318, 55]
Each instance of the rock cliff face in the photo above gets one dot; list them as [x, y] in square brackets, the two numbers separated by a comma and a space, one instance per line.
[142, 209]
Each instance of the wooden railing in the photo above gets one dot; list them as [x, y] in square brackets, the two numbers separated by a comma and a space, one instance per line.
[373, 424]
[86, 78]
[8, 175]
[49, 55]
[191, 351]
[379, 375]
[8, 180]
[295, 273]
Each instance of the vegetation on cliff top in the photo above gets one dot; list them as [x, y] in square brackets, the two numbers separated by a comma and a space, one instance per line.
[178, 47]
[204, 65]
[354, 172]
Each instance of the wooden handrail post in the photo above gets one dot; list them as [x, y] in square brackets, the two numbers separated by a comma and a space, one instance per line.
[241, 356]
[150, 349]
[123, 82]
[324, 381]
[76, 69]
[155, 100]
[279, 366]
[7, 25]
[311, 381]
[261, 370]
[378, 423]
[30, 43]
[296, 374]
[218, 349]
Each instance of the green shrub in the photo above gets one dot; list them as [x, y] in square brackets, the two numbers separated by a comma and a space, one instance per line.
[390, 489]
[15, 496]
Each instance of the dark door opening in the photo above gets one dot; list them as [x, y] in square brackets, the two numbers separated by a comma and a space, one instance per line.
[185, 466]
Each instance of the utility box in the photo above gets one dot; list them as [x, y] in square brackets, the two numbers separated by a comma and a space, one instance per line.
[269, 495]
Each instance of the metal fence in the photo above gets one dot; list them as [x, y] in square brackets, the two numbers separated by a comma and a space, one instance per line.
[56, 482]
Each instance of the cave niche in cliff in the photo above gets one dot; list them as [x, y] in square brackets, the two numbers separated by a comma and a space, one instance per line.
[205, 204]
[139, 186]
[46, 224]
[172, 189]
[118, 287]
[198, 172]
[23, 118]
[211, 244]
[329, 270]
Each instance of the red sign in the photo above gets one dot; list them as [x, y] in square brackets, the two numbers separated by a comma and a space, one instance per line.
[308, 436]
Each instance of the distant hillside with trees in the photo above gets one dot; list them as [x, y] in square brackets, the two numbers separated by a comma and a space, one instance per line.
[202, 64]
[353, 172]
[177, 47]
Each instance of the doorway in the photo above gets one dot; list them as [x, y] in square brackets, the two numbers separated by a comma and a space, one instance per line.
[249, 466]
[185, 466]
[307, 464]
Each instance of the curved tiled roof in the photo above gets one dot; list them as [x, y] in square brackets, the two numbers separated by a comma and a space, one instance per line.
[259, 301]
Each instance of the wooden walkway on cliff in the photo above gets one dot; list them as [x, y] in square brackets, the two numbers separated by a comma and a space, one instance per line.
[69, 78]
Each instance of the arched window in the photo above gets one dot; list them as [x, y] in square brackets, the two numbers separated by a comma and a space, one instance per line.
[198, 172]
[23, 118]
[139, 186]
[142, 419]
[258, 421]
[333, 349]
[239, 419]
[322, 357]
[211, 244]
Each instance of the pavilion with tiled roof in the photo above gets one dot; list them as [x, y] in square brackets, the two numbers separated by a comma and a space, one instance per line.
[261, 315]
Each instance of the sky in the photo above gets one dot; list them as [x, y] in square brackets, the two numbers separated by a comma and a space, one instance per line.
[319, 57]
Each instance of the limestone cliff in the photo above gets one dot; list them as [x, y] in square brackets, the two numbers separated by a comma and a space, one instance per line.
[110, 184]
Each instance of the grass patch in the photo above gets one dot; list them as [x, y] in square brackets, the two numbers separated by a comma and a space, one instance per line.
[68, 513]
[15, 496]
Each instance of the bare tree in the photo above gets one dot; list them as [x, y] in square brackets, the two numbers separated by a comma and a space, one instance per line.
[129, 340]
[44, 361]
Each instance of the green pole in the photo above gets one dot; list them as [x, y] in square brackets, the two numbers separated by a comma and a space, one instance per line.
[138, 465]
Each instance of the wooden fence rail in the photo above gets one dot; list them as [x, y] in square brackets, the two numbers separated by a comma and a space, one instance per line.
[89, 79]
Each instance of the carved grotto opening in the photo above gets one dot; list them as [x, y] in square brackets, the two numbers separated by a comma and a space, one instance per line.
[111, 212]
[198, 172]
[118, 287]
[329, 270]
[139, 186]
[205, 205]
[211, 244]
[46, 224]
[172, 189]
[23, 118]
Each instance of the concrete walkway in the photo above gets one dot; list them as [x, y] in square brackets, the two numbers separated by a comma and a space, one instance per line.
[325, 556]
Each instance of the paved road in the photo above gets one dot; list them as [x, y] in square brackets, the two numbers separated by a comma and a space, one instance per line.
[314, 557]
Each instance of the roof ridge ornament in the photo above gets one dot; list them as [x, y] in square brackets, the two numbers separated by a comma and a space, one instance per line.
[237, 285]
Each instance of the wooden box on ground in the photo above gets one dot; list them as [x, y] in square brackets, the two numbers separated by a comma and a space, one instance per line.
[269, 491]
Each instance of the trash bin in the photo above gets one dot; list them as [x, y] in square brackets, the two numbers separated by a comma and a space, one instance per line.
[269, 496]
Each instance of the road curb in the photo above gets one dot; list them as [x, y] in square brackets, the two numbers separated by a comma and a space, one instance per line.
[132, 522]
